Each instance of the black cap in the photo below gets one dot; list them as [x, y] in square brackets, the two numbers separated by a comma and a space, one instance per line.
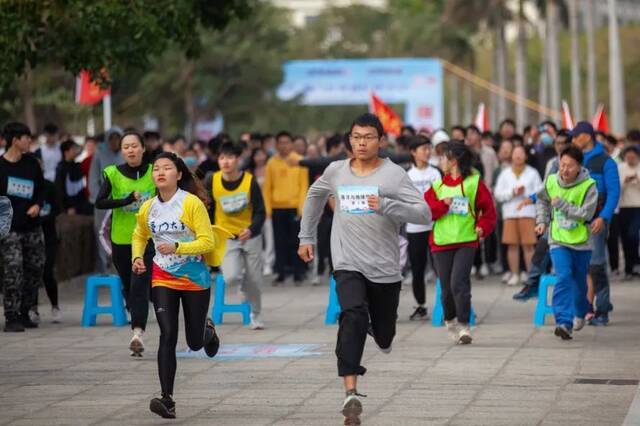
[582, 127]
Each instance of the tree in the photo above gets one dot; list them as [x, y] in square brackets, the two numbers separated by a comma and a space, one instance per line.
[116, 35]
[521, 65]
[591, 56]
[616, 76]
[576, 99]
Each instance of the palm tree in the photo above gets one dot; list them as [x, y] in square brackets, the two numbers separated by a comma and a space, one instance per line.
[575, 60]
[616, 76]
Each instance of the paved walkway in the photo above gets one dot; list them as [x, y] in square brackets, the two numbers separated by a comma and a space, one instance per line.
[513, 373]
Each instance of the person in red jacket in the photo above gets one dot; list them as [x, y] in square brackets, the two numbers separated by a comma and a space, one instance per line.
[463, 213]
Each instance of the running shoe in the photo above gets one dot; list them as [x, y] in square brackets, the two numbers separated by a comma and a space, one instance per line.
[514, 280]
[484, 270]
[505, 277]
[563, 332]
[34, 316]
[136, 345]
[600, 321]
[352, 408]
[13, 326]
[164, 407]
[524, 276]
[27, 323]
[279, 280]
[464, 336]
[526, 293]
[429, 277]
[212, 345]
[452, 329]
[578, 323]
[256, 323]
[56, 315]
[420, 313]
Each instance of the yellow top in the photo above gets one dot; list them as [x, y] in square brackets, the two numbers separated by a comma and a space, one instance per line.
[233, 208]
[285, 187]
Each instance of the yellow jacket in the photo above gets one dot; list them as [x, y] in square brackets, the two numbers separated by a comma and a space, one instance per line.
[210, 241]
[285, 187]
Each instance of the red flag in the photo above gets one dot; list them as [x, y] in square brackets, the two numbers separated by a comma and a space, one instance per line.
[482, 118]
[87, 91]
[600, 121]
[567, 119]
[390, 120]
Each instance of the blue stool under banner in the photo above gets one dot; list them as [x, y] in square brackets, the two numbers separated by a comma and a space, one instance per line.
[437, 314]
[220, 308]
[543, 308]
[92, 309]
[333, 308]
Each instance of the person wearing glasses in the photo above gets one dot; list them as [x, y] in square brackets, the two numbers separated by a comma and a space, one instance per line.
[374, 198]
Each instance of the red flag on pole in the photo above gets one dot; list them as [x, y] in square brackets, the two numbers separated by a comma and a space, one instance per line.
[391, 121]
[482, 118]
[87, 91]
[600, 121]
[567, 119]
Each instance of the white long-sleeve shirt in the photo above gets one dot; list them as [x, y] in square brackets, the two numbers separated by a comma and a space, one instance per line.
[504, 191]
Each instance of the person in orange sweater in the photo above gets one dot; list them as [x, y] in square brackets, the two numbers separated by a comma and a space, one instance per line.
[284, 191]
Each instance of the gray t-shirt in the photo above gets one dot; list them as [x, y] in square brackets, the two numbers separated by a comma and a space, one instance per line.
[363, 240]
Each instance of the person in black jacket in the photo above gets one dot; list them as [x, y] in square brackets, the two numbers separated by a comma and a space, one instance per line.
[70, 181]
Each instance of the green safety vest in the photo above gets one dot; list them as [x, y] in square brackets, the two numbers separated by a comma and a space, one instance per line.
[123, 219]
[459, 224]
[563, 229]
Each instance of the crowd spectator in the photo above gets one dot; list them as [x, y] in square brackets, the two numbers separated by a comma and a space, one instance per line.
[629, 171]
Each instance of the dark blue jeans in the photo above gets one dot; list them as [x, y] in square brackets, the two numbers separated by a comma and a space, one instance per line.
[598, 272]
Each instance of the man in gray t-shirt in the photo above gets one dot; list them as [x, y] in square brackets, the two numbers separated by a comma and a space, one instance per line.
[374, 198]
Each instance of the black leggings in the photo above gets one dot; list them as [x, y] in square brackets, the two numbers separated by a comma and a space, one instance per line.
[454, 270]
[166, 302]
[135, 287]
[48, 277]
[419, 254]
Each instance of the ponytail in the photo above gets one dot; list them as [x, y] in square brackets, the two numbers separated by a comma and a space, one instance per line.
[458, 151]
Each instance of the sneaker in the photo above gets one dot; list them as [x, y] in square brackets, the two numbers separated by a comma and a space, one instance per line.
[484, 270]
[212, 345]
[267, 271]
[578, 323]
[164, 407]
[27, 323]
[407, 280]
[526, 293]
[524, 275]
[464, 335]
[429, 277]
[13, 326]
[599, 321]
[514, 280]
[56, 315]
[256, 324]
[474, 270]
[505, 277]
[419, 313]
[279, 280]
[34, 316]
[452, 329]
[315, 280]
[352, 408]
[297, 280]
[563, 332]
[136, 346]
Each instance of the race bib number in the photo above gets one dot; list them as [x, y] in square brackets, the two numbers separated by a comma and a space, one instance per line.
[22, 188]
[459, 206]
[563, 221]
[135, 206]
[234, 203]
[353, 198]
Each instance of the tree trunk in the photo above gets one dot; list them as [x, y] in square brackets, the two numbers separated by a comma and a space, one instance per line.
[616, 76]
[576, 98]
[468, 104]
[590, 28]
[543, 93]
[521, 67]
[454, 117]
[553, 63]
[501, 65]
[26, 93]
[189, 101]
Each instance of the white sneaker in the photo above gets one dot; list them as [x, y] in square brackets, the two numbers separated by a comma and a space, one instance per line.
[464, 336]
[506, 277]
[34, 316]
[136, 345]
[56, 315]
[430, 276]
[524, 276]
[578, 323]
[452, 329]
[473, 270]
[514, 280]
[267, 271]
[408, 279]
[484, 270]
[256, 324]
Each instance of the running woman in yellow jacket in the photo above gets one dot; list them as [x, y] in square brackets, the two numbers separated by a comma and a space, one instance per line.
[178, 222]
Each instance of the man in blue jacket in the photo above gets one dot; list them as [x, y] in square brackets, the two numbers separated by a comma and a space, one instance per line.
[605, 172]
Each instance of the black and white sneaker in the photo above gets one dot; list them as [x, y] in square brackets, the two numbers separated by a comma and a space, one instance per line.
[212, 344]
[419, 314]
[164, 407]
[352, 407]
[136, 345]
[563, 332]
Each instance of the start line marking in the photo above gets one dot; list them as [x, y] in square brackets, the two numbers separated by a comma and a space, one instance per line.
[255, 351]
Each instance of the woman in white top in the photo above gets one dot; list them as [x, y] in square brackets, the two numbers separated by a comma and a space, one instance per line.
[422, 174]
[513, 186]
[629, 171]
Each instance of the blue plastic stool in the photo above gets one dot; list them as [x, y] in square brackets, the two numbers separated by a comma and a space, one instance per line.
[542, 307]
[220, 308]
[333, 308]
[92, 309]
[437, 315]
